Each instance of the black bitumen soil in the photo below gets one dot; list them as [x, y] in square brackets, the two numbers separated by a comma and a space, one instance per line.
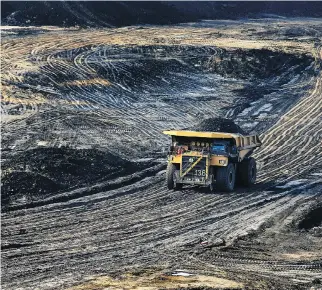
[26, 186]
[106, 14]
[248, 64]
[218, 125]
[70, 165]
[36, 174]
[69, 213]
[94, 14]
[147, 64]
[312, 219]
[143, 69]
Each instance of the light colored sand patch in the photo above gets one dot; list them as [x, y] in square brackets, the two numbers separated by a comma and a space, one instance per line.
[54, 28]
[74, 103]
[302, 255]
[157, 281]
[42, 143]
[181, 273]
[32, 99]
[89, 82]
[11, 118]
[152, 36]
[6, 96]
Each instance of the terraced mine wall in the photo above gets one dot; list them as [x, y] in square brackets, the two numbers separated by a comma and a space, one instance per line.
[83, 156]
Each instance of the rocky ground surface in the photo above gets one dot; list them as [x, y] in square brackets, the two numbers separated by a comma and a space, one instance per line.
[84, 201]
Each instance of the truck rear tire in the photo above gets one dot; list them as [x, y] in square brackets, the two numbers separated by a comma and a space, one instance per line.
[171, 179]
[226, 177]
[247, 172]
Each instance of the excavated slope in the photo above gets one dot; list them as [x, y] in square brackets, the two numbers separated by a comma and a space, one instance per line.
[83, 154]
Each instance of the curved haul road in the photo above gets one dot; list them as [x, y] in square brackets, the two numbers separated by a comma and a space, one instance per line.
[117, 89]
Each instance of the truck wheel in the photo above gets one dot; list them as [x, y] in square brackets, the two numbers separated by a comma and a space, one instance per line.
[225, 177]
[247, 172]
[171, 178]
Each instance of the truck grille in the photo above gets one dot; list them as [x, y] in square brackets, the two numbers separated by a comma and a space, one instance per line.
[198, 171]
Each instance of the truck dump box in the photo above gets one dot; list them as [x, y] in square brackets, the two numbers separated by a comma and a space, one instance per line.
[244, 144]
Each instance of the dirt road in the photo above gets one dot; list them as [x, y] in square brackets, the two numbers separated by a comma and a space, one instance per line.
[83, 161]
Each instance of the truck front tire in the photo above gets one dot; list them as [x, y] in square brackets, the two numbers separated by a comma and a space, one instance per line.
[171, 179]
[247, 172]
[226, 177]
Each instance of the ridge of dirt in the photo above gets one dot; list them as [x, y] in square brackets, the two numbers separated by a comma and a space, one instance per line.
[218, 125]
[36, 174]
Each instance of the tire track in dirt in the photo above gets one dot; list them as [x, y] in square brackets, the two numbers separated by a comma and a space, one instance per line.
[144, 221]
[305, 116]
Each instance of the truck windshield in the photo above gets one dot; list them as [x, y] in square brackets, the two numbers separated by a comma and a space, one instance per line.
[218, 147]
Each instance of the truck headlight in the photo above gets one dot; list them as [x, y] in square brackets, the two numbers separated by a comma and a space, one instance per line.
[222, 162]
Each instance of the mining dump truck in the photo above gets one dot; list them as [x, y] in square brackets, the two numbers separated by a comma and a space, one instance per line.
[212, 159]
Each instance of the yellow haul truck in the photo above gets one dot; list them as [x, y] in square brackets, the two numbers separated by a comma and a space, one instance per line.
[211, 159]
